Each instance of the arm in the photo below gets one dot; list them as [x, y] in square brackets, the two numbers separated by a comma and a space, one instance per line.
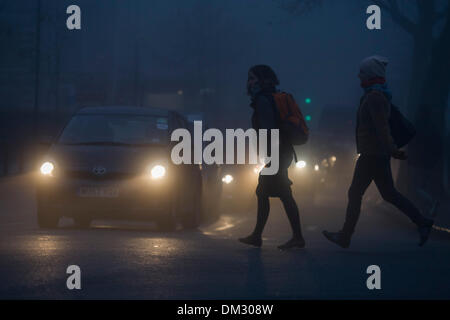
[378, 107]
[265, 115]
[265, 118]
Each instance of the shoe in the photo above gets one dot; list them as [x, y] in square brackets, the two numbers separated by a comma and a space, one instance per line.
[338, 238]
[252, 241]
[424, 233]
[434, 209]
[293, 243]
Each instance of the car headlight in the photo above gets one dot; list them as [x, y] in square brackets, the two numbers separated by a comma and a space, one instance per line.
[158, 172]
[47, 168]
[300, 164]
[227, 179]
[316, 167]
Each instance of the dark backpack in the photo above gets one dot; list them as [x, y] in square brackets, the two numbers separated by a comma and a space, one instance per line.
[402, 130]
[292, 124]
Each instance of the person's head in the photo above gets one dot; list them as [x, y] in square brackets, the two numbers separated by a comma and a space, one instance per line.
[262, 77]
[373, 67]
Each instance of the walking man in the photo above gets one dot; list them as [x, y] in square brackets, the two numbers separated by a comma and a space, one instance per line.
[376, 147]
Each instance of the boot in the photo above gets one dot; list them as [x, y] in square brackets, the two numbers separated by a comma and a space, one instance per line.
[424, 232]
[252, 240]
[293, 243]
[338, 238]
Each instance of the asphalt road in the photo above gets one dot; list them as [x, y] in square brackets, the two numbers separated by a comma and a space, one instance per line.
[130, 260]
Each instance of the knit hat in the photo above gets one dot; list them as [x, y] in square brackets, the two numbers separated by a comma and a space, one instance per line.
[374, 67]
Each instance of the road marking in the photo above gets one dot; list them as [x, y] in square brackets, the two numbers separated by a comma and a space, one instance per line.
[12, 223]
[441, 229]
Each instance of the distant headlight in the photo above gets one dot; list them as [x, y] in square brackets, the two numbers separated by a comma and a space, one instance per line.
[258, 168]
[316, 167]
[301, 164]
[47, 168]
[227, 179]
[158, 172]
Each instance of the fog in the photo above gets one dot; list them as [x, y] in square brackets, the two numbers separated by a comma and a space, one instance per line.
[193, 56]
[127, 50]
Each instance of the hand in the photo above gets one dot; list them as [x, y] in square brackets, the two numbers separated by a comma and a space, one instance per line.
[400, 155]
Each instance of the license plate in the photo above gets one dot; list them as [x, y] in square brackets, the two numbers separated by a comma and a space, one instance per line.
[98, 192]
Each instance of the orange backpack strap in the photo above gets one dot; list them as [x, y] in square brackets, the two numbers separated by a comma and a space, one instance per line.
[292, 122]
[289, 110]
[282, 104]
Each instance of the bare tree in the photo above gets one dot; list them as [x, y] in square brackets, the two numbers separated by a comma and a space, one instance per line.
[429, 83]
[429, 87]
[298, 7]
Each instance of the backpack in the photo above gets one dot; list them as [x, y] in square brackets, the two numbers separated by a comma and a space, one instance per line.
[292, 124]
[402, 130]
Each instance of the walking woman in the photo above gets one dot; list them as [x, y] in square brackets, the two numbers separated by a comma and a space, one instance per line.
[261, 85]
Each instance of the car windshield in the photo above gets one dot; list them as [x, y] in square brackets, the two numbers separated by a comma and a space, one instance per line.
[115, 130]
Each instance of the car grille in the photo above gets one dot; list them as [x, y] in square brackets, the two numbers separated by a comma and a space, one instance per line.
[91, 176]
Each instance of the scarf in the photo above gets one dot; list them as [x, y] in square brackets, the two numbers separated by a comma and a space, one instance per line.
[378, 84]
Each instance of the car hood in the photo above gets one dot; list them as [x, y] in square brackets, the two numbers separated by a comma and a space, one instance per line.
[119, 159]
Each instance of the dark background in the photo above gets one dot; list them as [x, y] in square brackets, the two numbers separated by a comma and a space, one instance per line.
[194, 55]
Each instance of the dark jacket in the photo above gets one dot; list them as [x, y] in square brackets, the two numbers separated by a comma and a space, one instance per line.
[373, 134]
[265, 116]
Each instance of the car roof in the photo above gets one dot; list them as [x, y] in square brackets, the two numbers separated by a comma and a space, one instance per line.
[128, 110]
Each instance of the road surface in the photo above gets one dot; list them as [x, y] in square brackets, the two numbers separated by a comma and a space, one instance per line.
[130, 260]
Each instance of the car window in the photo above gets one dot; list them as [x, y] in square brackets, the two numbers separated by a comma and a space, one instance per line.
[123, 129]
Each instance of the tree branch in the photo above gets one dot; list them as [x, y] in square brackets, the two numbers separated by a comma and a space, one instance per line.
[298, 7]
[438, 15]
[446, 29]
[401, 19]
[392, 7]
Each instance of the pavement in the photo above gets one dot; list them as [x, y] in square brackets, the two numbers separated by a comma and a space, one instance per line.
[133, 260]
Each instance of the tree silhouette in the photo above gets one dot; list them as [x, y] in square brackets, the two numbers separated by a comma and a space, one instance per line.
[429, 88]
[428, 23]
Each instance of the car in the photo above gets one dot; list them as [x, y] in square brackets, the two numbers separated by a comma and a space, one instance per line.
[115, 163]
[240, 182]
[239, 185]
[306, 175]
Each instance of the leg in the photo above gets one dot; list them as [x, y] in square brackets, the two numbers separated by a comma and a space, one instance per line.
[292, 212]
[255, 239]
[362, 178]
[291, 209]
[262, 216]
[385, 184]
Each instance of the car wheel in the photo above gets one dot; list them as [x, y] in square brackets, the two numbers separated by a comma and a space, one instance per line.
[192, 215]
[46, 218]
[83, 221]
[167, 224]
[166, 221]
[212, 203]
